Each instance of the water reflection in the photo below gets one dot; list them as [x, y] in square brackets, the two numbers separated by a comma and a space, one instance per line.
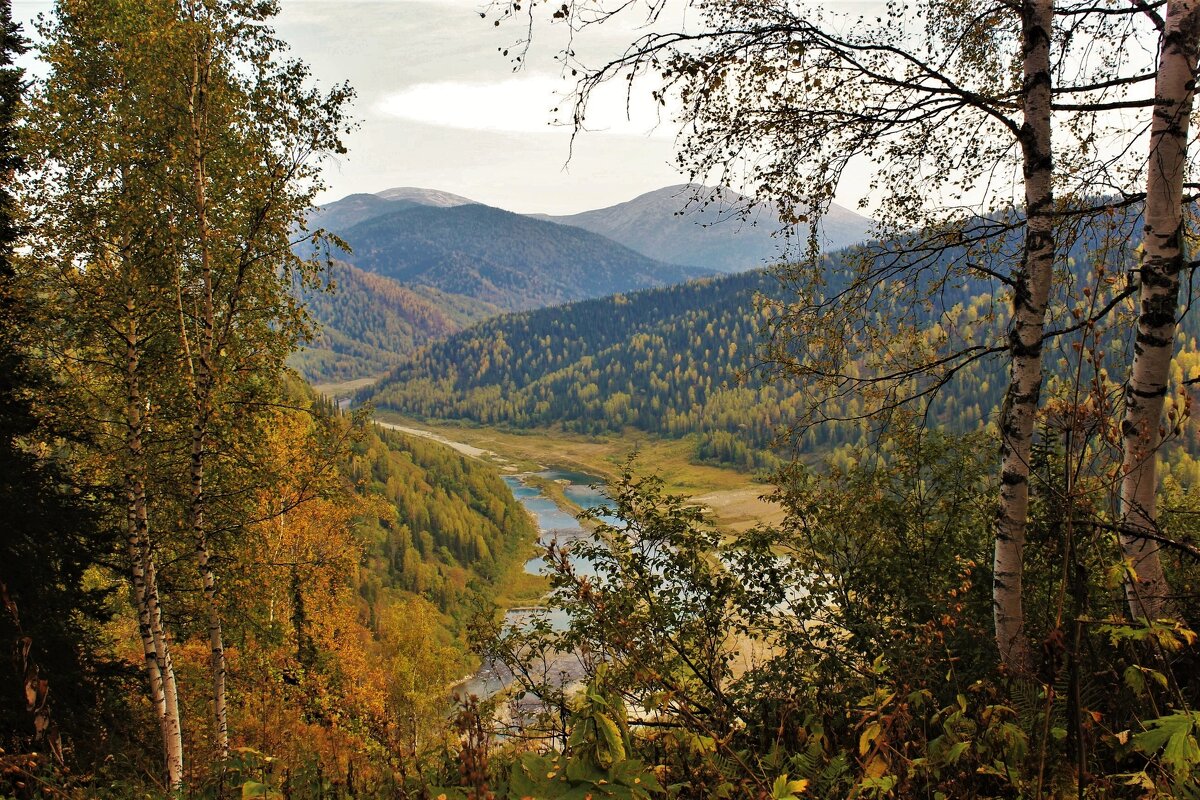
[555, 523]
[552, 523]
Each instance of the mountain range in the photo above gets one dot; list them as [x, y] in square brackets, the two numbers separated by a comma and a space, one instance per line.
[420, 264]
[513, 261]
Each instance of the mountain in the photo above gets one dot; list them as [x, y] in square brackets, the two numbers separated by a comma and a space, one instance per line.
[680, 361]
[498, 257]
[666, 361]
[369, 323]
[425, 197]
[353, 209]
[349, 211]
[692, 224]
[426, 263]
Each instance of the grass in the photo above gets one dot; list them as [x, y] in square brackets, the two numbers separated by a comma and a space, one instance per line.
[518, 588]
[343, 388]
[734, 497]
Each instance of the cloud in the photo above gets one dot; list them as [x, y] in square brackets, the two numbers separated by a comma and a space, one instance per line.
[524, 103]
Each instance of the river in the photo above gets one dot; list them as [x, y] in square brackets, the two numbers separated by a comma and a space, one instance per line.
[553, 522]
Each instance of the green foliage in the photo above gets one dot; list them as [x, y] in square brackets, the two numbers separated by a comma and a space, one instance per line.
[597, 760]
[683, 360]
[55, 681]
[450, 527]
[850, 648]
[369, 323]
[1172, 739]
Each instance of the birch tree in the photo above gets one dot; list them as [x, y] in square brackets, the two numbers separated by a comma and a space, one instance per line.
[254, 135]
[1162, 261]
[99, 141]
[953, 109]
[179, 148]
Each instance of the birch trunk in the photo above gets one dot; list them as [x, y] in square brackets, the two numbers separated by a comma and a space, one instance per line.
[203, 387]
[1031, 294]
[1161, 262]
[160, 670]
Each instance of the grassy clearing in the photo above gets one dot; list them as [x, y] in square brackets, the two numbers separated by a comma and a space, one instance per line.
[343, 389]
[519, 588]
[734, 497]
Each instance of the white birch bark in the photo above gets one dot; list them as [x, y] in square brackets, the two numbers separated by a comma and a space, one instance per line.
[1030, 297]
[1161, 262]
[203, 386]
[160, 669]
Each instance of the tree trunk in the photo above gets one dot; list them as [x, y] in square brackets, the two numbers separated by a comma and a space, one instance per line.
[203, 397]
[160, 669]
[1031, 294]
[1161, 262]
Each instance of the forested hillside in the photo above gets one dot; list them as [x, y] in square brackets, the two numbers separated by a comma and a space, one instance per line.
[512, 261]
[981, 577]
[450, 527]
[679, 361]
[368, 323]
[673, 361]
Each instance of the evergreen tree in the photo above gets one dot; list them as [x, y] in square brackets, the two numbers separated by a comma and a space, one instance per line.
[50, 534]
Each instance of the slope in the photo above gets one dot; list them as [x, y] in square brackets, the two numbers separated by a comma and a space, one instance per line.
[680, 361]
[448, 525]
[369, 322]
[499, 257]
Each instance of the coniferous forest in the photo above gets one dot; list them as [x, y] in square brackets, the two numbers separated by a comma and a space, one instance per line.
[981, 578]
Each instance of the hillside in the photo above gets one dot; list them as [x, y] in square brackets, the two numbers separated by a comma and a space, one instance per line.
[369, 323]
[679, 361]
[512, 261]
[446, 521]
[666, 361]
[670, 225]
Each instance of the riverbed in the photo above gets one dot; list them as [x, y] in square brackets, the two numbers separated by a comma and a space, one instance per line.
[554, 523]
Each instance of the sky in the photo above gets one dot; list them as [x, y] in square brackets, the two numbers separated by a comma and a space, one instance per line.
[440, 107]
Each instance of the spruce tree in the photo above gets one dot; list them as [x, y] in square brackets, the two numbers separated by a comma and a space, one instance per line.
[50, 534]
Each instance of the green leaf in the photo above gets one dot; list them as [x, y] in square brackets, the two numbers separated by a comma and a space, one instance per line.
[262, 790]
[955, 752]
[1175, 735]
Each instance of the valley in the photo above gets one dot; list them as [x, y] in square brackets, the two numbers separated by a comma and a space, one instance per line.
[733, 497]
[740, 400]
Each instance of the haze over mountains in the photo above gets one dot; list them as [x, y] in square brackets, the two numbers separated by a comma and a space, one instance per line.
[693, 224]
[424, 263]
[513, 261]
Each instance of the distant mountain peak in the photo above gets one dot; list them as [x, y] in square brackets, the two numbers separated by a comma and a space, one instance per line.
[714, 227]
[426, 197]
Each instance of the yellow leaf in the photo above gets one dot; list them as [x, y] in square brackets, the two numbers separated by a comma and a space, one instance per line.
[877, 767]
[868, 738]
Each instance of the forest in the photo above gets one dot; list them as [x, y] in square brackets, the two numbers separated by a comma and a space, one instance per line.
[683, 361]
[368, 321]
[978, 426]
[209, 568]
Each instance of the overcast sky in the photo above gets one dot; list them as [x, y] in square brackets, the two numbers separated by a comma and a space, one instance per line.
[440, 107]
